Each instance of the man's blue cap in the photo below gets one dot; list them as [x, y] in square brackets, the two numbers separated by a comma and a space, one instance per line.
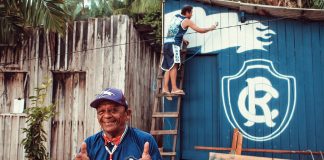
[110, 94]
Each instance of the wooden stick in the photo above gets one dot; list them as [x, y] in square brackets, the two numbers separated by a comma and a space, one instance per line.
[258, 150]
[239, 144]
[234, 139]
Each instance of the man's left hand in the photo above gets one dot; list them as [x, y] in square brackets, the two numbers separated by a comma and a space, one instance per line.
[146, 152]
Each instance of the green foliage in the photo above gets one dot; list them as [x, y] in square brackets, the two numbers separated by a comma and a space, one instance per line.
[318, 4]
[19, 17]
[37, 114]
[144, 12]
[154, 19]
[100, 8]
[78, 11]
[73, 8]
[144, 6]
[120, 7]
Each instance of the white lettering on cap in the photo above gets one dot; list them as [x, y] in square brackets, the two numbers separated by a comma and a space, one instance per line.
[108, 93]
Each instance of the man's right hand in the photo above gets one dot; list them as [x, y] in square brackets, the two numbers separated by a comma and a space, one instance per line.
[83, 155]
[212, 27]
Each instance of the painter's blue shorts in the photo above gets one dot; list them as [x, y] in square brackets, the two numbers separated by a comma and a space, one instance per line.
[171, 56]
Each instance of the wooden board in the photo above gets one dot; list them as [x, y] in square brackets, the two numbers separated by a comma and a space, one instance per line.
[223, 156]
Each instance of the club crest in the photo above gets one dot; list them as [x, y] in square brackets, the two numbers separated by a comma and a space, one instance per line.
[259, 96]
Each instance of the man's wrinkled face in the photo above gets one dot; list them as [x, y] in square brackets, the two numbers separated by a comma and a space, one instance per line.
[112, 117]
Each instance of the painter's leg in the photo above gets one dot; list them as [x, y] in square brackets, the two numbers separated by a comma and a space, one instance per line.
[166, 81]
[173, 75]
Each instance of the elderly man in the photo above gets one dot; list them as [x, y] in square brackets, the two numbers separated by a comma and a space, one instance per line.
[117, 140]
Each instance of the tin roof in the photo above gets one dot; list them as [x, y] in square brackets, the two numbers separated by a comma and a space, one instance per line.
[267, 10]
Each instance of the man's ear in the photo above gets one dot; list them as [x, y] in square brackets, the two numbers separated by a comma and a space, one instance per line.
[129, 114]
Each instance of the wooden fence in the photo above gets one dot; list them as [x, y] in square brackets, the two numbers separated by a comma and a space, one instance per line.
[11, 136]
[12, 86]
[94, 54]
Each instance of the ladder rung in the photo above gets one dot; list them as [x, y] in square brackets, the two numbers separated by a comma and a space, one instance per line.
[168, 153]
[169, 95]
[164, 132]
[166, 114]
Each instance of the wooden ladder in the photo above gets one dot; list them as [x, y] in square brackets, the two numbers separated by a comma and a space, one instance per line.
[158, 111]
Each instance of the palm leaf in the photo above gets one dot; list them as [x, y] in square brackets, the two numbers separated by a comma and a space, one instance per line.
[10, 22]
[45, 12]
[73, 8]
[17, 17]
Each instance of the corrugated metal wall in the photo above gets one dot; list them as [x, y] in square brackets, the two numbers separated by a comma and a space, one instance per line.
[283, 73]
[94, 55]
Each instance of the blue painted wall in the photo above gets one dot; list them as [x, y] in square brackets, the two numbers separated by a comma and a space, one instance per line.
[283, 60]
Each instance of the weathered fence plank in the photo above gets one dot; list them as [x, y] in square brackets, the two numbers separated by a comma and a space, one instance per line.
[14, 138]
[11, 88]
[11, 136]
[21, 135]
[2, 129]
[7, 136]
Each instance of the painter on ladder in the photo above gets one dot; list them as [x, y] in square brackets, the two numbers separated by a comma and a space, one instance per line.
[171, 50]
[117, 140]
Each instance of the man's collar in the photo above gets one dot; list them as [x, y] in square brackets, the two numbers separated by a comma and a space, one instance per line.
[121, 137]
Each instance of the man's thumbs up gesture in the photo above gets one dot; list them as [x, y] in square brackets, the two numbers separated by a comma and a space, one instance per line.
[146, 154]
[83, 155]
